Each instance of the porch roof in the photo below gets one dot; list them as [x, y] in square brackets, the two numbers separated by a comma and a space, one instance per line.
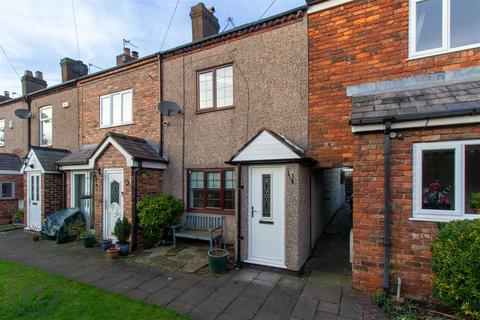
[10, 162]
[79, 157]
[458, 99]
[268, 146]
[44, 159]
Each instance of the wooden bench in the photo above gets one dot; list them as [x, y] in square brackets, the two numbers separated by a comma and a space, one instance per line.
[199, 227]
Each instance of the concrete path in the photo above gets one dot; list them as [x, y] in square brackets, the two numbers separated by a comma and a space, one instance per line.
[250, 293]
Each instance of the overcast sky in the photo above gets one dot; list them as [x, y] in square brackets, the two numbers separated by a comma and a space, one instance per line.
[36, 34]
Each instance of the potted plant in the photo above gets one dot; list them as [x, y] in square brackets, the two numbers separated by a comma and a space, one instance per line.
[106, 244]
[35, 236]
[87, 238]
[475, 202]
[122, 232]
[217, 260]
[18, 217]
[113, 252]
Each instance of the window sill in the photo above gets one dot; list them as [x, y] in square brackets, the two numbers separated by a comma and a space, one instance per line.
[214, 109]
[225, 212]
[442, 52]
[46, 145]
[445, 218]
[116, 125]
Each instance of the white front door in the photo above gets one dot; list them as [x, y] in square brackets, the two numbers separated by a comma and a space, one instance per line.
[267, 216]
[34, 216]
[81, 195]
[113, 200]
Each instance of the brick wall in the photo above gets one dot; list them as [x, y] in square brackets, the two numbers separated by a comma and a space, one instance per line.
[52, 194]
[149, 182]
[9, 207]
[143, 80]
[411, 240]
[362, 41]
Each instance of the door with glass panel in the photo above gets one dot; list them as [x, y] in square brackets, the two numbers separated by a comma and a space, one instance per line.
[34, 216]
[113, 200]
[81, 196]
[267, 215]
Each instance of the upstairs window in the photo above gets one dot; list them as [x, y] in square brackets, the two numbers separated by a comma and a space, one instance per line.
[7, 190]
[116, 109]
[446, 179]
[211, 190]
[46, 126]
[215, 88]
[2, 132]
[439, 26]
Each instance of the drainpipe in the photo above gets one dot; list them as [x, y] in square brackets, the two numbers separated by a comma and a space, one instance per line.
[134, 216]
[239, 215]
[28, 100]
[388, 207]
[160, 97]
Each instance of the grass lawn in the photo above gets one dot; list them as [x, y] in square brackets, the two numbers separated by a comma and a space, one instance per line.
[27, 293]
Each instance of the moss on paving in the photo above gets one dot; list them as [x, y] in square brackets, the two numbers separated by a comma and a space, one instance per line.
[27, 293]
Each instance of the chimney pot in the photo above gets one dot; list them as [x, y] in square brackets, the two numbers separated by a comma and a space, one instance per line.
[39, 75]
[126, 51]
[204, 22]
[135, 54]
[28, 73]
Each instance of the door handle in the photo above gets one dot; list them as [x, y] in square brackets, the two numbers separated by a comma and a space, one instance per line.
[253, 210]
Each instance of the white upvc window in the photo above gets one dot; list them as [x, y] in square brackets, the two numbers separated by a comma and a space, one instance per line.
[441, 26]
[7, 190]
[445, 176]
[116, 109]
[46, 126]
[2, 132]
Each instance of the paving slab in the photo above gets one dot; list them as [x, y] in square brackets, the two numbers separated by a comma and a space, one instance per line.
[185, 282]
[156, 284]
[195, 295]
[305, 309]
[245, 307]
[137, 294]
[328, 307]
[349, 308]
[180, 307]
[246, 275]
[209, 309]
[164, 296]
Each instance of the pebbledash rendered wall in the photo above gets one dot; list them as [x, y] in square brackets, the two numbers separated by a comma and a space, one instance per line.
[355, 43]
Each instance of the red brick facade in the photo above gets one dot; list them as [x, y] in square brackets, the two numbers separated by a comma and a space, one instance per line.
[52, 194]
[360, 42]
[8, 207]
[411, 240]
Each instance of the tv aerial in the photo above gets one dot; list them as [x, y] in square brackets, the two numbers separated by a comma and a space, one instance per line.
[23, 114]
[168, 108]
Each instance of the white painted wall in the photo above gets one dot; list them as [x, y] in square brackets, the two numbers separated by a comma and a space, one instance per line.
[266, 147]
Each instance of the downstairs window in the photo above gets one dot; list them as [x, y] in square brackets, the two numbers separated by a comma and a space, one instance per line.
[446, 179]
[211, 190]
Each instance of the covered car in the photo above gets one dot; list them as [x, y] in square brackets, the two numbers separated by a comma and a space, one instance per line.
[61, 224]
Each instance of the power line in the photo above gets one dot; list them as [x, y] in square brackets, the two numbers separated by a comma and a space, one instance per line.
[169, 24]
[11, 65]
[266, 10]
[76, 31]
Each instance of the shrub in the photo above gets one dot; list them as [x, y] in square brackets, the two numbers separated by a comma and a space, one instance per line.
[75, 228]
[122, 230]
[19, 215]
[156, 215]
[456, 267]
[475, 200]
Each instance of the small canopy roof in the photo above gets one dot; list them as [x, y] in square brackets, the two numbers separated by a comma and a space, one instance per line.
[270, 147]
[10, 163]
[135, 150]
[43, 159]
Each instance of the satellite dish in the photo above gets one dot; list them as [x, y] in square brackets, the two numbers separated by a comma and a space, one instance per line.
[168, 108]
[23, 113]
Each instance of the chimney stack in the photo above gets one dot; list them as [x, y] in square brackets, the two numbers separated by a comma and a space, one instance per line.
[204, 22]
[31, 83]
[126, 56]
[5, 97]
[72, 69]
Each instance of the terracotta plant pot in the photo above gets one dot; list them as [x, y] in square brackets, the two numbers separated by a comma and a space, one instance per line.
[113, 253]
[476, 210]
[35, 236]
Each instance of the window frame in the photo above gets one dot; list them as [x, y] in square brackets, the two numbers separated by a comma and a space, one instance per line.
[13, 190]
[110, 96]
[40, 126]
[213, 70]
[205, 209]
[441, 215]
[446, 29]
[2, 128]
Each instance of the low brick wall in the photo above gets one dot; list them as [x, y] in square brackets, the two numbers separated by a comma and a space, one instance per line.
[8, 207]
